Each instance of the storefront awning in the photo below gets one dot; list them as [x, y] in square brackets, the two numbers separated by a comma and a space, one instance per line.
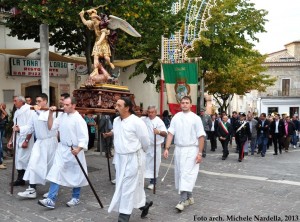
[125, 63]
[70, 59]
[52, 55]
[117, 63]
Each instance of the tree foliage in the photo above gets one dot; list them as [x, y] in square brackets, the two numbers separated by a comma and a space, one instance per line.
[151, 19]
[241, 75]
[226, 48]
[229, 63]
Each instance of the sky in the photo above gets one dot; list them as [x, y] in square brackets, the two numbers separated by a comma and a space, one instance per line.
[283, 26]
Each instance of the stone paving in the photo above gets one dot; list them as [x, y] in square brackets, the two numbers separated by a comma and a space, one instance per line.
[258, 189]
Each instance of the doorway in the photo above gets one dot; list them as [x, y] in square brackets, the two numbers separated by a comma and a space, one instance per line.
[294, 111]
[35, 90]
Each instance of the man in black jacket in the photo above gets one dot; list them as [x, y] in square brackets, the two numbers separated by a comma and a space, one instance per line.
[276, 133]
[263, 127]
[242, 133]
[233, 120]
[224, 133]
[213, 125]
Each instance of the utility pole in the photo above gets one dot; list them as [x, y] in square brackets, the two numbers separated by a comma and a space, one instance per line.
[44, 53]
[202, 73]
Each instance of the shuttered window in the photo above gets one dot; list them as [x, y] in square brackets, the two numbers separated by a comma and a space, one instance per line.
[286, 87]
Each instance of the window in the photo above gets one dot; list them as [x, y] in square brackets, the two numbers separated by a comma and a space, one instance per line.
[272, 110]
[286, 87]
[294, 111]
[8, 95]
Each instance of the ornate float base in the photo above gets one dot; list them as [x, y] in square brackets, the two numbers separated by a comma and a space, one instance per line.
[106, 86]
[102, 96]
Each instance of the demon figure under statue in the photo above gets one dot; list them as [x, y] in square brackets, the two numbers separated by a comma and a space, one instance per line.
[104, 27]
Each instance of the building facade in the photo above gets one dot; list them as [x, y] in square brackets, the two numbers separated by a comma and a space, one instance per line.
[284, 95]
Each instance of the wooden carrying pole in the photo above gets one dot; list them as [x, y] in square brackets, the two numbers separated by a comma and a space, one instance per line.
[87, 178]
[14, 163]
[154, 177]
[84, 110]
[108, 165]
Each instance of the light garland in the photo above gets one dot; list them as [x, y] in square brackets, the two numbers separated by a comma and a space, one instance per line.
[175, 48]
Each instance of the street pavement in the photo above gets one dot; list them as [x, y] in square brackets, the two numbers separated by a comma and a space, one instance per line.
[257, 189]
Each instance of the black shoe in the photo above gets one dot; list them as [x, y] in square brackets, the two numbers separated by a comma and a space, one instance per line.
[275, 154]
[258, 152]
[240, 160]
[19, 183]
[145, 209]
[212, 150]
[252, 154]
[204, 155]
[262, 155]
[224, 157]
[123, 217]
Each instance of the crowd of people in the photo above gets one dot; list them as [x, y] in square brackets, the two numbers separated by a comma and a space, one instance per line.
[251, 134]
[46, 142]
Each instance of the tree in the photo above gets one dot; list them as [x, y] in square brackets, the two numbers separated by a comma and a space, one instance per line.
[242, 75]
[229, 63]
[151, 19]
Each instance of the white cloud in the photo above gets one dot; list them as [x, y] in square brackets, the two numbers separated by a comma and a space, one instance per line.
[283, 26]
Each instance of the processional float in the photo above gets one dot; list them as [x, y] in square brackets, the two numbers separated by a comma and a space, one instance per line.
[101, 90]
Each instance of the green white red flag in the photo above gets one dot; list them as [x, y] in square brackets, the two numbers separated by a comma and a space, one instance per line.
[181, 80]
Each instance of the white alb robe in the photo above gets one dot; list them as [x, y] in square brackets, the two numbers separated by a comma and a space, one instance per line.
[22, 117]
[65, 170]
[187, 128]
[151, 125]
[131, 139]
[43, 150]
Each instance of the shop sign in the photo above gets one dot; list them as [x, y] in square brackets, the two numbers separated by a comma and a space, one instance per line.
[32, 67]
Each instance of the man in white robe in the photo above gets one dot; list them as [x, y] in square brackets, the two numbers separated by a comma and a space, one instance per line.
[189, 134]
[155, 126]
[65, 170]
[131, 140]
[24, 141]
[43, 150]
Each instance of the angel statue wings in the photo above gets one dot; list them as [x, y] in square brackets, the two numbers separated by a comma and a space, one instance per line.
[104, 27]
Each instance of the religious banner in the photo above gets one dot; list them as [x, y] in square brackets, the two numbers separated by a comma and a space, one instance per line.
[181, 80]
[32, 67]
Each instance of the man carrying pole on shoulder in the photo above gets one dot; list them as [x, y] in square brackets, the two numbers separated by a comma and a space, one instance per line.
[24, 142]
[65, 170]
[43, 150]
